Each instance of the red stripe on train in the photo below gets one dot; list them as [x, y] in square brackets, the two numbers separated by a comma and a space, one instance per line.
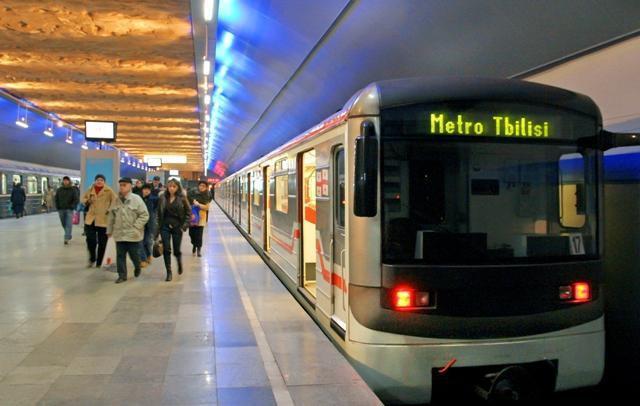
[332, 279]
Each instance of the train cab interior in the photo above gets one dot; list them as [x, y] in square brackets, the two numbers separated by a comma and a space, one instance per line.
[486, 202]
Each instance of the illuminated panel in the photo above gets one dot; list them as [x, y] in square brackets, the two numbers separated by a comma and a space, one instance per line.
[494, 125]
[514, 121]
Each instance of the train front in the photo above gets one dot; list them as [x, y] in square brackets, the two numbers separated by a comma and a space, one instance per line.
[486, 211]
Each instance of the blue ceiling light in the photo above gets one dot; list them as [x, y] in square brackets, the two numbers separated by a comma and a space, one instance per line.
[223, 48]
[222, 72]
[229, 12]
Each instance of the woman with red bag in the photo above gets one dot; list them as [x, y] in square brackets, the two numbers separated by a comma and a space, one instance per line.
[99, 199]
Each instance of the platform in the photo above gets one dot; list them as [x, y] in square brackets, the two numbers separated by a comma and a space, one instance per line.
[225, 332]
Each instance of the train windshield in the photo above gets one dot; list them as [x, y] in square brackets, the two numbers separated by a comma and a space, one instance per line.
[492, 202]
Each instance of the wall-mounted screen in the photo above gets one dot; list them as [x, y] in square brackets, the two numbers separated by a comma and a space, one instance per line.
[100, 131]
[174, 172]
[154, 162]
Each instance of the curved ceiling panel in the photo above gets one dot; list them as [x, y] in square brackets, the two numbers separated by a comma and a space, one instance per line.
[380, 39]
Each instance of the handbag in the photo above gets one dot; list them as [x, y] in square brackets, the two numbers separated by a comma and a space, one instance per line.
[158, 248]
[76, 218]
[195, 215]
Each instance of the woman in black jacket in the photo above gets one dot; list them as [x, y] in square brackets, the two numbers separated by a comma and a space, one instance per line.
[174, 214]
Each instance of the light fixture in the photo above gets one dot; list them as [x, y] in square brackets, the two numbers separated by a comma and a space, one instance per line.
[69, 138]
[49, 130]
[168, 159]
[85, 145]
[60, 123]
[207, 99]
[21, 120]
[209, 6]
[206, 67]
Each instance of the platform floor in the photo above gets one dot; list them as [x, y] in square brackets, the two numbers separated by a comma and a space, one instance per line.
[225, 332]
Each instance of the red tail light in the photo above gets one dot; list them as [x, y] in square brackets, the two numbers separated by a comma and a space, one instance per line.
[581, 291]
[403, 298]
[576, 292]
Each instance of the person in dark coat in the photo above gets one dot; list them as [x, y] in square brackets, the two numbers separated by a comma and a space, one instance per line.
[18, 198]
[66, 201]
[156, 187]
[146, 248]
[137, 189]
[174, 214]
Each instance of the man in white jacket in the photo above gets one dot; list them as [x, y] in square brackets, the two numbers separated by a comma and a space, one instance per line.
[126, 220]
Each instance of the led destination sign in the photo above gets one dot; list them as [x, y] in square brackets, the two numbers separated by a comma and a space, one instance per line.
[491, 125]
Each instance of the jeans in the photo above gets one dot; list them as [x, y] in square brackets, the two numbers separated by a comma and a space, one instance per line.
[170, 235]
[66, 218]
[195, 232]
[146, 245]
[132, 247]
[96, 237]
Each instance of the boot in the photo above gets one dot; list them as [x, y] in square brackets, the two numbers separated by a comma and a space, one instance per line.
[193, 249]
[198, 250]
[167, 265]
[179, 265]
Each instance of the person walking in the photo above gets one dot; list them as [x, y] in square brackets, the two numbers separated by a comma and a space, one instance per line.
[146, 249]
[126, 220]
[174, 214]
[49, 199]
[200, 204]
[98, 199]
[66, 201]
[137, 189]
[18, 199]
[156, 186]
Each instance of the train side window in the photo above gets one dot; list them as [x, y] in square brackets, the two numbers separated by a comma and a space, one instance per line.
[571, 190]
[44, 182]
[282, 193]
[257, 188]
[32, 184]
[3, 185]
[243, 186]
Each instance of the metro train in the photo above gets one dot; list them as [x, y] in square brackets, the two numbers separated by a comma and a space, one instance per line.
[446, 233]
[35, 179]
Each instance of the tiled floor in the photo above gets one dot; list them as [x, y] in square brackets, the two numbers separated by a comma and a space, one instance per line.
[225, 332]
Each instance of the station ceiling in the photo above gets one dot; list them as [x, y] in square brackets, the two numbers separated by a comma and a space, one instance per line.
[282, 66]
[121, 60]
[279, 66]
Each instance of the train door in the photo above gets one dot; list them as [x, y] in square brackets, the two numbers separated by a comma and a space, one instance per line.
[266, 204]
[238, 207]
[307, 217]
[250, 191]
[338, 254]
